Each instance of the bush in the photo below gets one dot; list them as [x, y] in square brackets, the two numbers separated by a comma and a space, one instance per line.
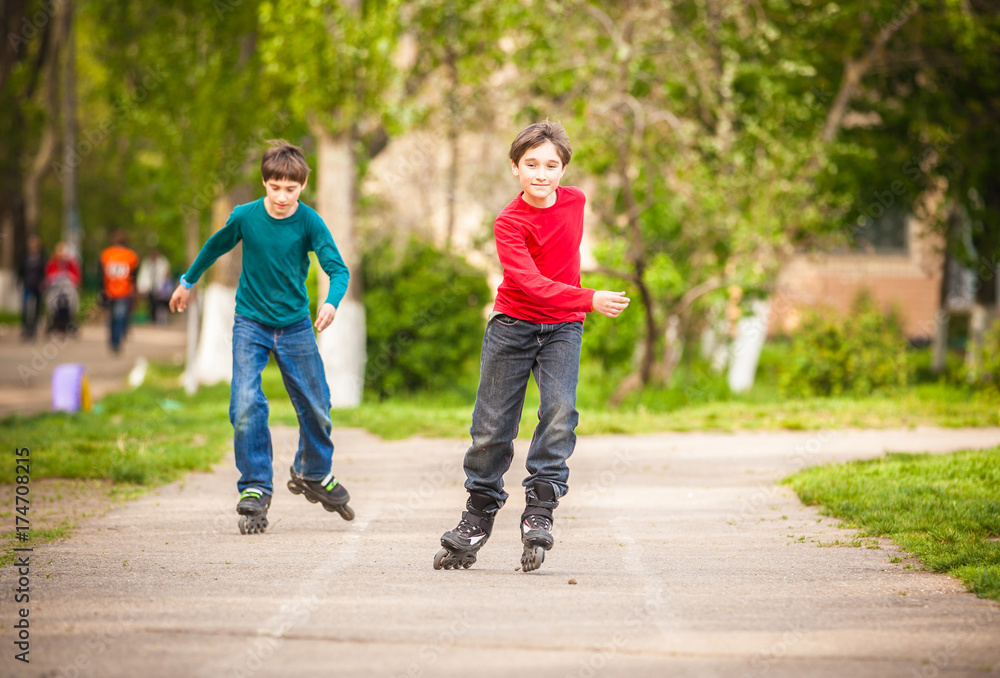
[987, 374]
[611, 342]
[425, 320]
[856, 355]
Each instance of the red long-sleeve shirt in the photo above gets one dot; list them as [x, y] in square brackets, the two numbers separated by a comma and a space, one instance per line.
[539, 250]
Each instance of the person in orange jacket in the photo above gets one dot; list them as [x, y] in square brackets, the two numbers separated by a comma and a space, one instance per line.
[119, 266]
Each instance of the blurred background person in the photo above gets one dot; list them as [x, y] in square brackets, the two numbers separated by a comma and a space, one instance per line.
[156, 284]
[119, 266]
[62, 290]
[30, 275]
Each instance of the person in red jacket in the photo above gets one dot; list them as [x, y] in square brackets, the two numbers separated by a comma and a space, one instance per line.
[536, 327]
[119, 265]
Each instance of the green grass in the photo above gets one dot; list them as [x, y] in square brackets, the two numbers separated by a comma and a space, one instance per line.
[682, 408]
[137, 439]
[943, 509]
[146, 436]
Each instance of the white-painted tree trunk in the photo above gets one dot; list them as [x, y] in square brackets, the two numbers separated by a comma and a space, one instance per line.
[751, 331]
[213, 361]
[342, 345]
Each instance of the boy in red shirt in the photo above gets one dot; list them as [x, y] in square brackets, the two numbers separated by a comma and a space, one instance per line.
[536, 327]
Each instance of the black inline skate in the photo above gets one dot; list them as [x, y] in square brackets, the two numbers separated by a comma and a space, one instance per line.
[536, 524]
[253, 510]
[470, 535]
[328, 492]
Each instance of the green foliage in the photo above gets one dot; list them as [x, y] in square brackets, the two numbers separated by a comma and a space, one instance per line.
[854, 355]
[943, 509]
[424, 315]
[987, 374]
[609, 343]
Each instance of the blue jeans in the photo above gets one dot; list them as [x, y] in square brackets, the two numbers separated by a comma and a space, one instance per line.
[512, 350]
[31, 308]
[295, 351]
[119, 310]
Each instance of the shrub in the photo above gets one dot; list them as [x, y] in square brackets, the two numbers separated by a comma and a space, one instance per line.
[424, 317]
[854, 355]
[987, 374]
[611, 342]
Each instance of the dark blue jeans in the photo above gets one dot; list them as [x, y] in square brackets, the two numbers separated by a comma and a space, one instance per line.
[119, 310]
[295, 352]
[512, 350]
[31, 308]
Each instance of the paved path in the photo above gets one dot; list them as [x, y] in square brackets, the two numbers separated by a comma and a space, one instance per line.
[687, 560]
[26, 368]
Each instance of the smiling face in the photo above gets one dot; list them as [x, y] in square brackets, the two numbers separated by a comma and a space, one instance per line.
[282, 197]
[540, 169]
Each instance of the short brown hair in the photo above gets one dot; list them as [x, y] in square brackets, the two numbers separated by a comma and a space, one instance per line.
[536, 135]
[283, 161]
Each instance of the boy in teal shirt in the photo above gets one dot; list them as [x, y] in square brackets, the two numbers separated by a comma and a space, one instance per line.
[272, 316]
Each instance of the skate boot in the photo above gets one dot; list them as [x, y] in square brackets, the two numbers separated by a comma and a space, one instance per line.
[253, 510]
[328, 492]
[536, 524]
[470, 535]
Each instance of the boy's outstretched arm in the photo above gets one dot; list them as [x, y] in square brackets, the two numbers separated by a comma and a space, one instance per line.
[610, 304]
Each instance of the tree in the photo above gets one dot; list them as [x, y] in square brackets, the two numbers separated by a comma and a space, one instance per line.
[332, 63]
[682, 112]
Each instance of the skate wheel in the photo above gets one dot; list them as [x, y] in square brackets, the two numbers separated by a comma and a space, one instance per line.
[439, 559]
[243, 524]
[346, 512]
[532, 558]
[293, 488]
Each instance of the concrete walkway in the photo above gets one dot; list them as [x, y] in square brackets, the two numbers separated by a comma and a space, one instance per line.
[26, 367]
[676, 555]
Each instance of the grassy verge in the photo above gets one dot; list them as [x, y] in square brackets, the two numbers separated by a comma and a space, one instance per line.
[678, 409]
[132, 441]
[943, 509]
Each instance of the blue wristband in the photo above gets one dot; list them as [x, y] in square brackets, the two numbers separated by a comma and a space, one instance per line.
[185, 284]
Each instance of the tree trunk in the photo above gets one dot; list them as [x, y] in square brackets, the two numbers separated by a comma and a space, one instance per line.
[342, 345]
[984, 314]
[751, 332]
[47, 145]
[213, 362]
[71, 209]
[191, 246]
[940, 337]
[454, 123]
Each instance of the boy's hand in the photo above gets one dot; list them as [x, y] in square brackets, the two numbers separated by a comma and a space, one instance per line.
[325, 316]
[179, 299]
[610, 303]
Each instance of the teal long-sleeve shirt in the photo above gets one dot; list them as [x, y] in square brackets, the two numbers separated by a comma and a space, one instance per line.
[272, 288]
